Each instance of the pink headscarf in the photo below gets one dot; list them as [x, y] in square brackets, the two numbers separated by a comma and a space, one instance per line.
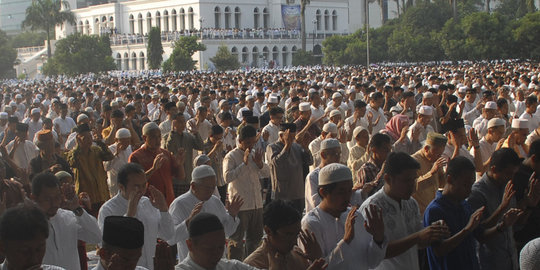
[395, 125]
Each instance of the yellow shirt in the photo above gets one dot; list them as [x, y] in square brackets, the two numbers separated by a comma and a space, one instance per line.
[427, 183]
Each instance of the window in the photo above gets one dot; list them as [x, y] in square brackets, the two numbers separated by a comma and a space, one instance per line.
[245, 55]
[148, 22]
[227, 17]
[266, 53]
[256, 16]
[140, 22]
[141, 56]
[326, 20]
[131, 24]
[134, 60]
[318, 18]
[191, 19]
[275, 53]
[118, 61]
[173, 20]
[255, 57]
[158, 20]
[237, 18]
[166, 21]
[334, 21]
[266, 18]
[217, 18]
[126, 61]
[285, 56]
[234, 51]
[182, 19]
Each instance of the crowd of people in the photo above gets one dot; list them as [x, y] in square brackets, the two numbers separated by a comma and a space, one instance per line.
[419, 167]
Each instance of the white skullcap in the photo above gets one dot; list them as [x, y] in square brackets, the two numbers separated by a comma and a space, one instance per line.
[71, 99]
[334, 173]
[3, 115]
[200, 160]
[39, 96]
[114, 103]
[201, 172]
[357, 131]
[528, 257]
[336, 95]
[475, 85]
[221, 102]
[36, 101]
[182, 97]
[335, 112]
[272, 99]
[312, 90]
[18, 96]
[250, 97]
[122, 133]
[81, 117]
[329, 144]
[427, 95]
[118, 99]
[520, 123]
[149, 127]
[330, 128]
[89, 110]
[490, 105]
[495, 122]
[35, 110]
[12, 103]
[305, 106]
[425, 110]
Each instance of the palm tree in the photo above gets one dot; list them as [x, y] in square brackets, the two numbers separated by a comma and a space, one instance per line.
[303, 4]
[45, 15]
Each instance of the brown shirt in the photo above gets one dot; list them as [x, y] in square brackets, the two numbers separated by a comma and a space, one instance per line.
[265, 257]
[427, 183]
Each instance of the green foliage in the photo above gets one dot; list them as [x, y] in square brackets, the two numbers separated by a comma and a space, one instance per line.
[7, 56]
[515, 9]
[155, 48]
[28, 39]
[527, 35]
[181, 57]
[225, 60]
[80, 54]
[303, 58]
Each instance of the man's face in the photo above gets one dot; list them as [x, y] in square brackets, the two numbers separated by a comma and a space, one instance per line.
[360, 112]
[63, 112]
[118, 121]
[331, 155]
[248, 143]
[285, 238]
[340, 197]
[424, 119]
[205, 188]
[136, 183]
[276, 119]
[434, 152]
[504, 175]
[84, 139]
[124, 258]
[207, 249]
[521, 135]
[463, 184]
[153, 139]
[49, 200]
[24, 254]
[403, 185]
[305, 115]
[123, 143]
[380, 153]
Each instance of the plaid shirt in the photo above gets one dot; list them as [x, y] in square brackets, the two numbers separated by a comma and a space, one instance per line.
[368, 173]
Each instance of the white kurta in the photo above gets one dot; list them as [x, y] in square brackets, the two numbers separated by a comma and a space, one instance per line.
[156, 224]
[376, 113]
[4, 266]
[180, 210]
[312, 192]
[24, 153]
[33, 127]
[361, 253]
[113, 167]
[273, 132]
[65, 125]
[65, 228]
[223, 264]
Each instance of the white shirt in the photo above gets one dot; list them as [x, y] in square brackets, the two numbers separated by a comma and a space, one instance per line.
[165, 127]
[449, 151]
[361, 253]
[223, 264]
[113, 166]
[480, 126]
[33, 127]
[312, 190]
[532, 137]
[180, 210]
[65, 228]
[4, 266]
[273, 132]
[71, 141]
[204, 128]
[533, 120]
[360, 122]
[100, 267]
[156, 224]
[24, 153]
[243, 179]
[376, 113]
[65, 125]
[316, 113]
[423, 131]
[469, 113]
[399, 222]
[239, 114]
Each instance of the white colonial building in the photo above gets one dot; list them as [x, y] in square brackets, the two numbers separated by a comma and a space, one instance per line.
[259, 32]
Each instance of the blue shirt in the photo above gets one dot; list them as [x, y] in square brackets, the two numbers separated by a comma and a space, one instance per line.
[456, 217]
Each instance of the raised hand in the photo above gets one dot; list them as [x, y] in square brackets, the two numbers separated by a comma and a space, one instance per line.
[246, 156]
[349, 225]
[433, 233]
[197, 209]
[473, 138]
[374, 224]
[475, 219]
[312, 249]
[157, 199]
[71, 201]
[158, 161]
[233, 206]
[85, 200]
[258, 158]
[318, 264]
[533, 195]
[133, 202]
[510, 217]
[403, 135]
[343, 136]
[508, 194]
[437, 165]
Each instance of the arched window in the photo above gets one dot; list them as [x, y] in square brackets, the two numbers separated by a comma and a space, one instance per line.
[217, 17]
[266, 53]
[166, 21]
[131, 24]
[334, 21]
[158, 20]
[87, 24]
[245, 55]
[275, 53]
[326, 20]
[148, 22]
[285, 56]
[134, 60]
[266, 18]
[318, 18]
[126, 61]
[256, 17]
[234, 51]
[293, 50]
[255, 57]
[119, 61]
[237, 17]
[140, 23]
[141, 58]
[191, 19]
[182, 19]
[81, 27]
[173, 20]
[227, 17]
[111, 22]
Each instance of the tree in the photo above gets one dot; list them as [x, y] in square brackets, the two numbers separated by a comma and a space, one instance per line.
[8, 55]
[155, 48]
[80, 54]
[303, 58]
[28, 39]
[303, 5]
[45, 15]
[516, 9]
[487, 36]
[225, 60]
[527, 34]
[181, 57]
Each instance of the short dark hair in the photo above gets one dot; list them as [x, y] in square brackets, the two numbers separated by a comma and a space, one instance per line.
[279, 213]
[225, 116]
[117, 114]
[327, 188]
[216, 130]
[247, 132]
[169, 105]
[459, 165]
[127, 170]
[398, 162]
[379, 140]
[504, 158]
[359, 104]
[534, 148]
[530, 100]
[43, 180]
[501, 102]
[22, 223]
[275, 111]
[407, 94]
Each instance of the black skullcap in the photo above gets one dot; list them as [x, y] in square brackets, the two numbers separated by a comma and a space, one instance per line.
[83, 128]
[204, 223]
[247, 113]
[22, 127]
[454, 124]
[288, 126]
[117, 114]
[252, 120]
[488, 93]
[13, 119]
[123, 232]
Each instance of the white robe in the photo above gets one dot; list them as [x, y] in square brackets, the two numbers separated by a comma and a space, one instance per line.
[223, 264]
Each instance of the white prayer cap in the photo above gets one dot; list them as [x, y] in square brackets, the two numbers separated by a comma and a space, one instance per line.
[39, 96]
[3, 115]
[357, 131]
[334, 173]
[118, 99]
[427, 95]
[71, 99]
[250, 97]
[13, 103]
[329, 144]
[221, 102]
[7, 108]
[475, 85]
[305, 106]
[425, 110]
[89, 110]
[18, 96]
[335, 112]
[490, 105]
[200, 160]
[462, 89]
[149, 127]
[520, 123]
[36, 101]
[182, 97]
[495, 122]
[201, 172]
[336, 95]
[122, 133]
[312, 90]
[272, 99]
[81, 117]
[35, 110]
[528, 257]
[330, 85]
[114, 103]
[330, 128]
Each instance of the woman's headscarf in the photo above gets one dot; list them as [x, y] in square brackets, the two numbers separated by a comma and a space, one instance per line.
[395, 125]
